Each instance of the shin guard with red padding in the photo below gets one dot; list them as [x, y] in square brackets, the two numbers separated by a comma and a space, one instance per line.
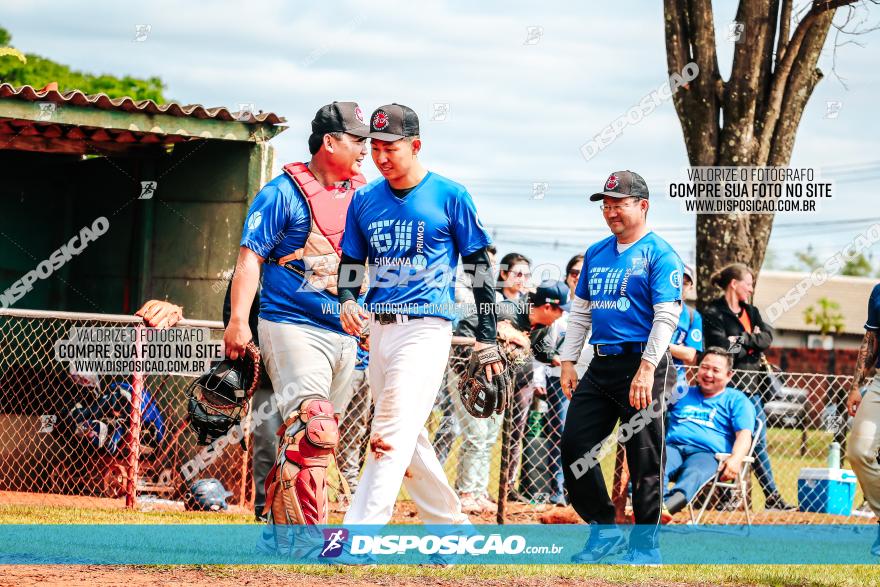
[296, 487]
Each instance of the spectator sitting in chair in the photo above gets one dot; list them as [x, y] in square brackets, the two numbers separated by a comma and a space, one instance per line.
[710, 418]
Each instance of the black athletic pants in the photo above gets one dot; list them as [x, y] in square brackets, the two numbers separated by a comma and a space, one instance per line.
[599, 402]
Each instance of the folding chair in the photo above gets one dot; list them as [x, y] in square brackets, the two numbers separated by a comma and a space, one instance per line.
[738, 485]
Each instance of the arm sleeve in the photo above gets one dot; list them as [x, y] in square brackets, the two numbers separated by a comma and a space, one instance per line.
[662, 328]
[478, 268]
[579, 326]
[350, 275]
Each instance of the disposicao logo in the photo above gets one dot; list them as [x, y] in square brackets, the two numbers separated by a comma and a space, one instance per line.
[333, 541]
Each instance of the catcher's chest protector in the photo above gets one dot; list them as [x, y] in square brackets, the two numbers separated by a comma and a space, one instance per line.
[296, 487]
[327, 209]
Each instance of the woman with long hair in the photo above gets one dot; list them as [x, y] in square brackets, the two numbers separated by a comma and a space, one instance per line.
[732, 323]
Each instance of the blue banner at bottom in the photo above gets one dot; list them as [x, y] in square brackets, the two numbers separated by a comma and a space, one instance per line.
[232, 544]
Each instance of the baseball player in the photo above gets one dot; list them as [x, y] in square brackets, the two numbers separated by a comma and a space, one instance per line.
[863, 450]
[410, 227]
[628, 299]
[294, 230]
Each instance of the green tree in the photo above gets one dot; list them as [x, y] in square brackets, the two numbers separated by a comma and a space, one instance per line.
[827, 316]
[859, 266]
[806, 260]
[39, 71]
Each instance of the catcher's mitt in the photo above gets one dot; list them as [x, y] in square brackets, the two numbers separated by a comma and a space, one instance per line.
[481, 397]
[160, 314]
[218, 400]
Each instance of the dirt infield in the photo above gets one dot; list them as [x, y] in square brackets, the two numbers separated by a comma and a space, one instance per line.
[140, 577]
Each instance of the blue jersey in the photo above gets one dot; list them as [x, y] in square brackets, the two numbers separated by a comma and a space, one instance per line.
[412, 244]
[622, 288]
[873, 322]
[689, 333]
[277, 224]
[710, 423]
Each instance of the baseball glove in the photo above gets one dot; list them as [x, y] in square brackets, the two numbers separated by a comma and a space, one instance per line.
[160, 314]
[480, 396]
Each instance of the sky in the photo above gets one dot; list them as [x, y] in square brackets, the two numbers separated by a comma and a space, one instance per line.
[507, 93]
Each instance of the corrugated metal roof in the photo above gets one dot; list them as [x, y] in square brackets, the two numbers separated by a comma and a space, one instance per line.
[105, 102]
[850, 292]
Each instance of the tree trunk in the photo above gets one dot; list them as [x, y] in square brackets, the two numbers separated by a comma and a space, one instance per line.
[772, 78]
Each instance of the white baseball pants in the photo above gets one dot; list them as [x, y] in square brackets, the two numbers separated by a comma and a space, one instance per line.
[306, 362]
[407, 361]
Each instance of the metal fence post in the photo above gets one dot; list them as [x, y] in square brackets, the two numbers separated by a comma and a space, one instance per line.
[134, 427]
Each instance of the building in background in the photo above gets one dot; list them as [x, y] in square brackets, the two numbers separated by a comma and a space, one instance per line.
[174, 182]
[792, 330]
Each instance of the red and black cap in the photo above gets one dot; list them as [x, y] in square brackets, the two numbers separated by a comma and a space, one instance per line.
[623, 184]
[393, 122]
[340, 117]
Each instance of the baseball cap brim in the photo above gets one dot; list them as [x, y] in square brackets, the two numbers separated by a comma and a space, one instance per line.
[598, 196]
[362, 131]
[384, 136]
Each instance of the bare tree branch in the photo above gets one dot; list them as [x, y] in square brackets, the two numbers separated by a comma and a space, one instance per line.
[784, 29]
[781, 75]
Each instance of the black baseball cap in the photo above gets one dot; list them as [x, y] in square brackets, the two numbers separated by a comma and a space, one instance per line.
[340, 117]
[550, 292]
[623, 184]
[393, 122]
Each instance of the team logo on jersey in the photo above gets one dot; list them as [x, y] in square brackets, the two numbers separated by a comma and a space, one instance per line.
[419, 261]
[380, 120]
[675, 279]
[623, 304]
[696, 335]
[390, 235]
[639, 264]
[612, 183]
[254, 220]
[358, 113]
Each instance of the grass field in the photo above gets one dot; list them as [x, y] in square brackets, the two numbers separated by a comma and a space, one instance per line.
[398, 576]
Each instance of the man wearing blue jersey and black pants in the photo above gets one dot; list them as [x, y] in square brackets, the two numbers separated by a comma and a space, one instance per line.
[410, 228]
[628, 299]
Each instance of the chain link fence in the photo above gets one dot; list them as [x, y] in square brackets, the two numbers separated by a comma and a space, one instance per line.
[69, 434]
[46, 449]
[806, 429]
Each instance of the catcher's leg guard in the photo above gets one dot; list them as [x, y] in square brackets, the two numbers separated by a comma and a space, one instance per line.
[296, 487]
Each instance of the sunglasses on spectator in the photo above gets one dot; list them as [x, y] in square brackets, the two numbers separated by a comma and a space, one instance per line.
[574, 272]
